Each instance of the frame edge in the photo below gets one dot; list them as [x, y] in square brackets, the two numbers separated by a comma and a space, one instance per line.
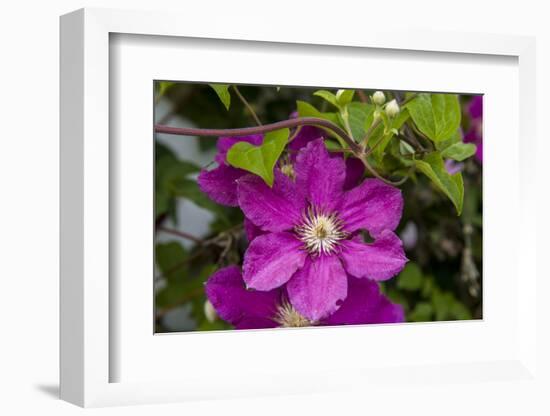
[71, 217]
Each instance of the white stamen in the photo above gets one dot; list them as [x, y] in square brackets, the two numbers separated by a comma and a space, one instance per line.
[288, 317]
[320, 232]
[288, 170]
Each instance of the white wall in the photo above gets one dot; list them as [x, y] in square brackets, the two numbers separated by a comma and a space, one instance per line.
[29, 178]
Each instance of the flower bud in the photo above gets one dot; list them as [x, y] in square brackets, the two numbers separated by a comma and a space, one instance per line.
[392, 109]
[209, 311]
[378, 98]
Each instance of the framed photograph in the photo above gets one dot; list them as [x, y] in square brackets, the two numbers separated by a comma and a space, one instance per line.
[243, 238]
[282, 213]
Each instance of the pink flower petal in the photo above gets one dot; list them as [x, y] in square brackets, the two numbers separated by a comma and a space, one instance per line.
[373, 206]
[365, 304]
[303, 137]
[317, 289]
[271, 260]
[251, 230]
[354, 172]
[272, 209]
[220, 184]
[380, 260]
[319, 176]
[244, 309]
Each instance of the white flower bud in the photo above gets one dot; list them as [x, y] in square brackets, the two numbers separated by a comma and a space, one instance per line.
[210, 312]
[378, 98]
[392, 109]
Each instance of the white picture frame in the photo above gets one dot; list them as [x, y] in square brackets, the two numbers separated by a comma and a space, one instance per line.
[88, 304]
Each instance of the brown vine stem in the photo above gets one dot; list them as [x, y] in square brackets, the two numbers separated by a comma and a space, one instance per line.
[362, 96]
[245, 131]
[375, 145]
[295, 122]
[373, 172]
[182, 234]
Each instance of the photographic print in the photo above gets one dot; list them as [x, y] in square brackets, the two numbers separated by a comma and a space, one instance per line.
[281, 206]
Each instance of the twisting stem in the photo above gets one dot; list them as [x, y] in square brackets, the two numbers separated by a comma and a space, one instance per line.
[407, 100]
[245, 131]
[369, 132]
[373, 172]
[411, 138]
[182, 234]
[247, 105]
[293, 135]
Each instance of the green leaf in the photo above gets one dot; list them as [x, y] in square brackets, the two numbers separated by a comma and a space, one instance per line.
[223, 93]
[357, 116]
[327, 96]
[428, 286]
[164, 86]
[459, 151]
[447, 307]
[456, 137]
[178, 292]
[162, 202]
[190, 288]
[168, 257]
[173, 294]
[332, 145]
[344, 97]
[410, 278]
[393, 126]
[422, 312]
[169, 168]
[397, 296]
[451, 185]
[165, 160]
[436, 115]
[259, 160]
[307, 110]
[460, 311]
[441, 302]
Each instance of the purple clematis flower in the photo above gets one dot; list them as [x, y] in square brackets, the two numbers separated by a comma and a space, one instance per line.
[311, 227]
[474, 134]
[252, 309]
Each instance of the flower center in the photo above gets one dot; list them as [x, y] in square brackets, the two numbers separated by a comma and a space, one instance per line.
[288, 170]
[286, 167]
[288, 317]
[320, 232]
